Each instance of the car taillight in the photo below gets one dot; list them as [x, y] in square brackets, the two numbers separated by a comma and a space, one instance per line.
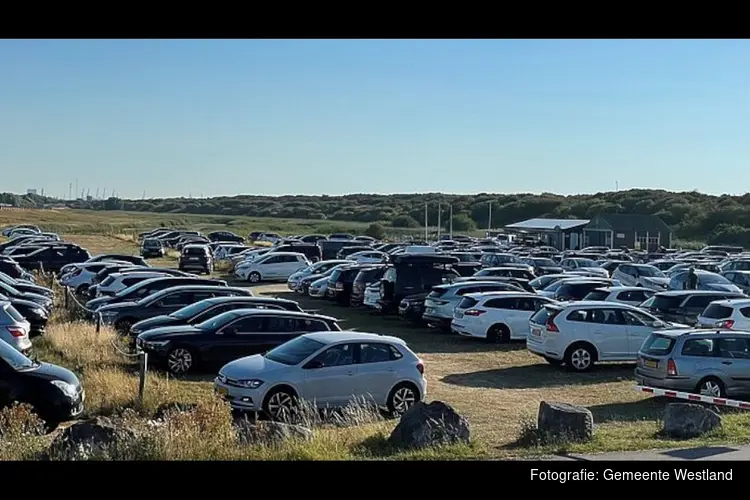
[15, 331]
[420, 368]
[550, 324]
[671, 368]
[727, 323]
[474, 312]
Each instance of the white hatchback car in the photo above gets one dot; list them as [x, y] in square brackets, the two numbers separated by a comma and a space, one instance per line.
[579, 334]
[496, 316]
[327, 369]
[272, 266]
[728, 314]
[633, 295]
[81, 277]
[117, 282]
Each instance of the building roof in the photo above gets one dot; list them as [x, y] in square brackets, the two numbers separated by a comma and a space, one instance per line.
[630, 222]
[548, 224]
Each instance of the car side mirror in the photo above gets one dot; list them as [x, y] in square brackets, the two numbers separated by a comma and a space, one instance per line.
[314, 364]
[658, 324]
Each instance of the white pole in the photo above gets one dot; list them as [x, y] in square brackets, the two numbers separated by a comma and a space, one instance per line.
[438, 231]
[425, 222]
[451, 221]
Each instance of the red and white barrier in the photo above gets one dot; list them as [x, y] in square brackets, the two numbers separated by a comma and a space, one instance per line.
[694, 397]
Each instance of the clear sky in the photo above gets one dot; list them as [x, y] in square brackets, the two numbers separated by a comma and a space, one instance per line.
[226, 117]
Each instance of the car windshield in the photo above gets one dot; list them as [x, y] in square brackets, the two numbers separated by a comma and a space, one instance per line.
[713, 278]
[192, 310]
[544, 262]
[585, 263]
[8, 290]
[7, 279]
[217, 322]
[152, 243]
[650, 272]
[14, 358]
[295, 351]
[554, 286]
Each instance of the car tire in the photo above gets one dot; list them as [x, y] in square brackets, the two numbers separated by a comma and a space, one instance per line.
[711, 387]
[181, 360]
[82, 289]
[280, 404]
[254, 277]
[580, 357]
[402, 397]
[498, 334]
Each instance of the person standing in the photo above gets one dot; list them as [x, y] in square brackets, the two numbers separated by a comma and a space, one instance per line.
[692, 280]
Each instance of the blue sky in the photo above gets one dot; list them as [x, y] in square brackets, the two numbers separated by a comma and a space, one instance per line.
[226, 117]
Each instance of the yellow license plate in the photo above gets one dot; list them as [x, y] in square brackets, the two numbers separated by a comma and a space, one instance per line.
[222, 391]
[650, 364]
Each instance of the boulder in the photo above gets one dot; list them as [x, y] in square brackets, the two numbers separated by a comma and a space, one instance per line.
[689, 420]
[165, 409]
[84, 439]
[433, 424]
[269, 432]
[561, 422]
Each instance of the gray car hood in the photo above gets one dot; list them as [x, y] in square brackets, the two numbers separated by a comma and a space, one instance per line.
[251, 367]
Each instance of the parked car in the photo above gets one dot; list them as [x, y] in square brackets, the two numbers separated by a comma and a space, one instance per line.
[410, 274]
[13, 293]
[365, 277]
[728, 314]
[147, 287]
[580, 334]
[36, 315]
[196, 258]
[12, 269]
[582, 264]
[328, 369]
[632, 295]
[684, 306]
[203, 310]
[82, 276]
[315, 269]
[152, 248]
[134, 260]
[740, 279]
[542, 265]
[642, 275]
[123, 315]
[368, 257]
[442, 300]
[272, 266]
[576, 289]
[706, 281]
[228, 336]
[31, 227]
[52, 258]
[54, 392]
[225, 236]
[496, 316]
[14, 329]
[506, 272]
[25, 286]
[319, 288]
[120, 281]
[709, 362]
[341, 281]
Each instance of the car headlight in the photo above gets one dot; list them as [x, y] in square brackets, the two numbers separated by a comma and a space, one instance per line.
[66, 388]
[154, 344]
[251, 384]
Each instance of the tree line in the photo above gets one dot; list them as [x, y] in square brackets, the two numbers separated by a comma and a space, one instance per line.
[691, 215]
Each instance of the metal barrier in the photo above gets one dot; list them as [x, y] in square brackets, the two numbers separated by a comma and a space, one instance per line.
[687, 396]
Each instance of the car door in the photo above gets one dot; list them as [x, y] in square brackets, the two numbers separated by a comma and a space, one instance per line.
[171, 303]
[376, 371]
[640, 327]
[291, 264]
[608, 331]
[518, 318]
[735, 361]
[243, 337]
[330, 379]
[271, 267]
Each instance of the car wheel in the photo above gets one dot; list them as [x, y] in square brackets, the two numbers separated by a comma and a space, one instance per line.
[498, 333]
[180, 361]
[280, 404]
[254, 277]
[580, 357]
[123, 326]
[711, 387]
[82, 289]
[401, 398]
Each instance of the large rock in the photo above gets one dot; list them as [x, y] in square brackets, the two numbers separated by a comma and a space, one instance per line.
[689, 420]
[433, 424]
[85, 439]
[269, 432]
[561, 422]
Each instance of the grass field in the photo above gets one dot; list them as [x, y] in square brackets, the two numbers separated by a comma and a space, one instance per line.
[498, 388]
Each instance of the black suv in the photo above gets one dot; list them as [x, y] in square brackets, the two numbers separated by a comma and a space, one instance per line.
[196, 258]
[52, 258]
[412, 274]
[684, 306]
[152, 247]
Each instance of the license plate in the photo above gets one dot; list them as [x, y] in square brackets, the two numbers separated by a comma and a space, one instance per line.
[650, 364]
[536, 332]
[192, 258]
[223, 391]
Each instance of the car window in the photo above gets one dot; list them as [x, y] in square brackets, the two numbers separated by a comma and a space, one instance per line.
[279, 324]
[311, 325]
[246, 325]
[338, 355]
[272, 260]
[505, 303]
[637, 318]
[700, 301]
[745, 311]
[176, 299]
[468, 289]
[734, 348]
[698, 347]
[526, 304]
[375, 353]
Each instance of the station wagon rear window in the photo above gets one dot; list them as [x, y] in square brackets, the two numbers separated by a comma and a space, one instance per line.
[658, 345]
[716, 311]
